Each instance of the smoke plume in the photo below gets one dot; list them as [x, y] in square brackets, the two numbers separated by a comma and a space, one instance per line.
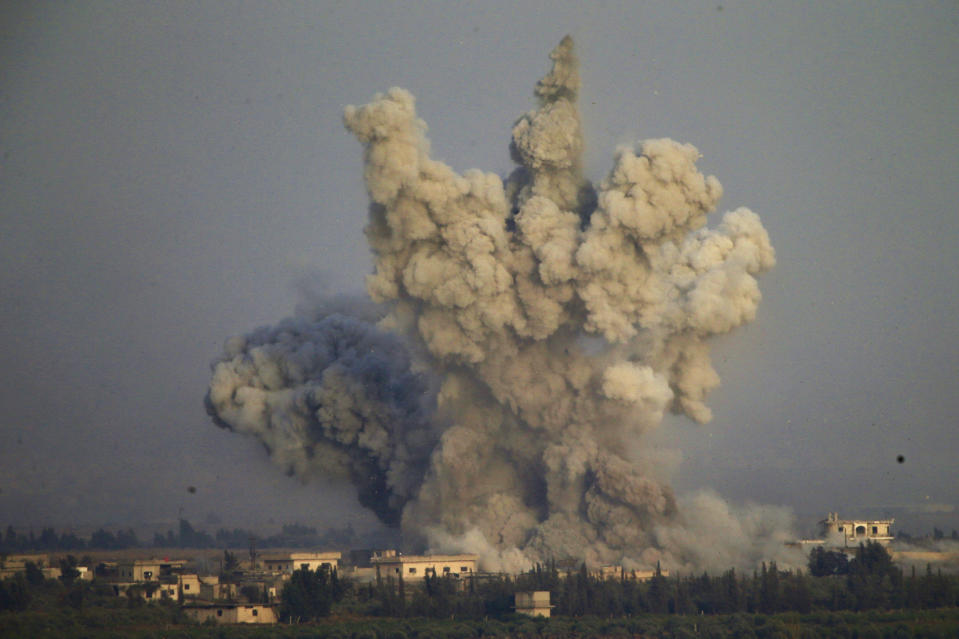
[529, 331]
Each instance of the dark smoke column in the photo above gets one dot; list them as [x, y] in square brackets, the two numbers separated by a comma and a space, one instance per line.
[330, 396]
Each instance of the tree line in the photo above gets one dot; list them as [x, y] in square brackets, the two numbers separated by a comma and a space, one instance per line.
[185, 536]
[50, 540]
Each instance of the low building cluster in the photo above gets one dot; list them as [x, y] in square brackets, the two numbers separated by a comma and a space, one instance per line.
[249, 591]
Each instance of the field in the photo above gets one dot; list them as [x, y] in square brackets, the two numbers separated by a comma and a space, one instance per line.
[157, 621]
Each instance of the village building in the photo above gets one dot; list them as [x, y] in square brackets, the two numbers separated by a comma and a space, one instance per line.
[145, 570]
[212, 590]
[12, 565]
[853, 532]
[231, 613]
[189, 586]
[146, 590]
[288, 562]
[534, 603]
[417, 567]
[847, 533]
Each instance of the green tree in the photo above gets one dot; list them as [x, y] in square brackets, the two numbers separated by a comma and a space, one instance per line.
[49, 540]
[769, 588]
[308, 595]
[68, 570]
[103, 539]
[823, 563]
[33, 573]
[658, 595]
[14, 594]
[230, 562]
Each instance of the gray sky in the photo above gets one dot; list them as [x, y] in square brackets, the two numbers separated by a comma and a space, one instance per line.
[172, 174]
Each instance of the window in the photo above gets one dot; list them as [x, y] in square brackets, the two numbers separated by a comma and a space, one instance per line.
[147, 574]
[875, 530]
[841, 529]
[412, 571]
[219, 613]
[304, 566]
[464, 569]
[446, 569]
[186, 586]
[255, 612]
[396, 570]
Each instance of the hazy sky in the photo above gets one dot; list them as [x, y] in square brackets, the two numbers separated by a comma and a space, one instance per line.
[172, 174]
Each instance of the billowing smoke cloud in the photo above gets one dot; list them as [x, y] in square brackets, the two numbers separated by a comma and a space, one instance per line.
[532, 330]
[331, 395]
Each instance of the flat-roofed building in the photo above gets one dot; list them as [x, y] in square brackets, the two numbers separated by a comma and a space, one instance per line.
[145, 570]
[189, 586]
[534, 603]
[855, 531]
[212, 590]
[288, 562]
[17, 563]
[413, 567]
[231, 613]
[148, 590]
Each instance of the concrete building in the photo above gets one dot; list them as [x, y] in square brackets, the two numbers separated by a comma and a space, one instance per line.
[852, 532]
[212, 590]
[14, 564]
[189, 586]
[416, 567]
[231, 613]
[147, 590]
[534, 603]
[288, 562]
[146, 570]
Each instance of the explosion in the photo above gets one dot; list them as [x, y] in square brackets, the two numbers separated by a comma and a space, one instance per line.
[526, 333]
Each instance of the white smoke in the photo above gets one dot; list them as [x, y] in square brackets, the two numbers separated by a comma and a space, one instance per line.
[534, 328]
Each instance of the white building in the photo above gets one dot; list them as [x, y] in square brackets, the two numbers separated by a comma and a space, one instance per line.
[414, 567]
[852, 532]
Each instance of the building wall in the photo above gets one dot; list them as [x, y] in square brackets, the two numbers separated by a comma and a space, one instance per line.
[255, 613]
[251, 613]
[147, 570]
[150, 591]
[299, 560]
[534, 603]
[856, 530]
[189, 586]
[217, 591]
[414, 567]
[138, 571]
